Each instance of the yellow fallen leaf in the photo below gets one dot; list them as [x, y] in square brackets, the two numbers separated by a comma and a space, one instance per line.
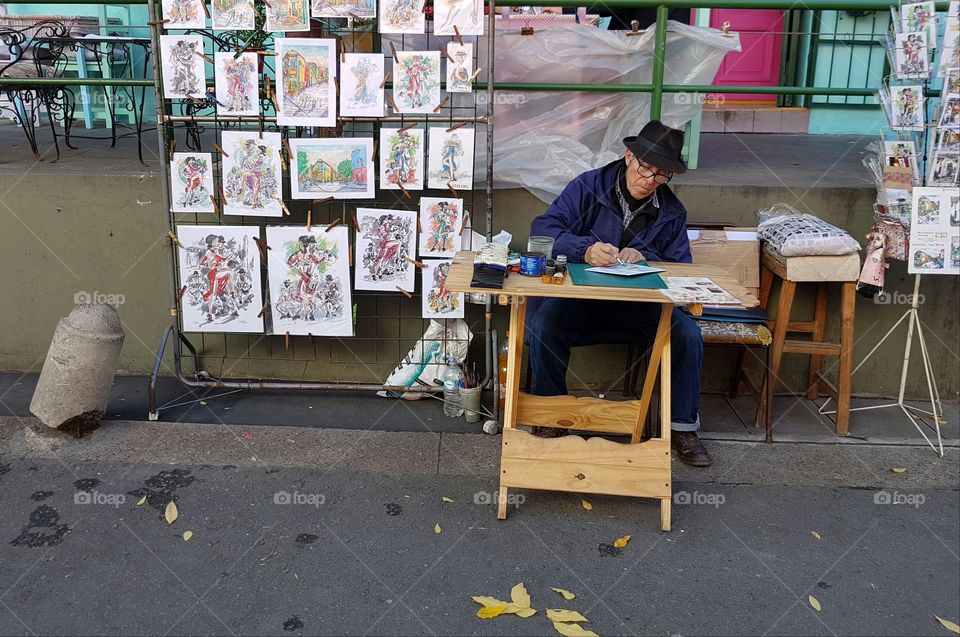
[949, 625]
[489, 612]
[520, 612]
[488, 601]
[170, 513]
[621, 542]
[446, 499]
[520, 596]
[586, 505]
[814, 603]
[899, 469]
[815, 534]
[141, 500]
[187, 535]
[573, 630]
[436, 528]
[567, 595]
[565, 615]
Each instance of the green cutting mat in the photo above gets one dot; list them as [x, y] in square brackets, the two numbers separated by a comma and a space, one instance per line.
[580, 276]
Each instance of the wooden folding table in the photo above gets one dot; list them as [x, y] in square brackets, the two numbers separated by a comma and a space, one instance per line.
[572, 463]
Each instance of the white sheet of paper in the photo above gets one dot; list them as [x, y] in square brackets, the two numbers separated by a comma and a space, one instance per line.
[436, 300]
[682, 289]
[288, 15]
[233, 15]
[306, 95]
[337, 9]
[309, 275]
[459, 67]
[387, 238]
[184, 14]
[238, 84]
[401, 158]
[220, 265]
[466, 15]
[441, 221]
[183, 66]
[626, 269]
[416, 81]
[191, 182]
[251, 174]
[741, 235]
[331, 167]
[402, 16]
[360, 77]
[450, 158]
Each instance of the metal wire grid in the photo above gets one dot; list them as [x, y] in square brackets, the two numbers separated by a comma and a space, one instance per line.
[387, 324]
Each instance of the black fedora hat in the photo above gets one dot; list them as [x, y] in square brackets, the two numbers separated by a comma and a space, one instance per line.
[658, 145]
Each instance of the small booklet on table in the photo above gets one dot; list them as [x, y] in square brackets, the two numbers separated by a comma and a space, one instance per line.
[626, 269]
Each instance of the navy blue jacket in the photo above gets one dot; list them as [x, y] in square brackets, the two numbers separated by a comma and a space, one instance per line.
[589, 202]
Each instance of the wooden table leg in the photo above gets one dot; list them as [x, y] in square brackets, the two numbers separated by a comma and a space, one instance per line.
[660, 340]
[665, 415]
[518, 314]
[818, 334]
[844, 374]
[781, 323]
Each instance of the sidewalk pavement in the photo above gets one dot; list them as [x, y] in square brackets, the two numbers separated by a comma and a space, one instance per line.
[326, 531]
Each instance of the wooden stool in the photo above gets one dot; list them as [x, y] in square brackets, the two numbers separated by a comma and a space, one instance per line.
[823, 271]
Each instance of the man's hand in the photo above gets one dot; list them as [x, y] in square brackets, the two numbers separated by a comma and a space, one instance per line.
[601, 254]
[631, 255]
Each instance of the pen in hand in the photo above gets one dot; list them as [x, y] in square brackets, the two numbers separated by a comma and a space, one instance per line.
[602, 241]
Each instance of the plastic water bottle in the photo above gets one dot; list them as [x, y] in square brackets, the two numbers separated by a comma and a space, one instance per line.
[452, 378]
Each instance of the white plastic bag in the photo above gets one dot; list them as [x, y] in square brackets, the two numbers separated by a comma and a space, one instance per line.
[421, 370]
[794, 234]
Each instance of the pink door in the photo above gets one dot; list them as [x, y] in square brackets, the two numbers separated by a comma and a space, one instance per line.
[758, 63]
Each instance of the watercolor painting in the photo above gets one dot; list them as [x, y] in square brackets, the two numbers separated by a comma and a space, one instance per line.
[287, 15]
[183, 68]
[386, 242]
[912, 60]
[331, 167]
[233, 15]
[306, 95]
[184, 14]
[361, 95]
[238, 84]
[920, 16]
[441, 221]
[451, 158]
[401, 158]
[220, 266]
[902, 153]
[466, 15]
[343, 8]
[191, 182]
[437, 301]
[402, 16]
[907, 107]
[309, 276]
[416, 81]
[460, 68]
[252, 174]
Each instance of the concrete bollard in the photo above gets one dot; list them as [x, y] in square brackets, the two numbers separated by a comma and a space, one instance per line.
[75, 381]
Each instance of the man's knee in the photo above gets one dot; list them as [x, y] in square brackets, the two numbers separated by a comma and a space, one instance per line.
[685, 333]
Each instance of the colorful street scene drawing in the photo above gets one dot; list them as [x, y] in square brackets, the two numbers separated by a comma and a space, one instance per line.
[306, 95]
[331, 167]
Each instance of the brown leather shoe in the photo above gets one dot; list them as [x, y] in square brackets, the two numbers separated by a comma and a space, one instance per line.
[549, 432]
[689, 448]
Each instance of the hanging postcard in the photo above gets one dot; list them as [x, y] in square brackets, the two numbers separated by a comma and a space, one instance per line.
[238, 84]
[950, 113]
[182, 62]
[220, 267]
[287, 15]
[191, 182]
[309, 274]
[401, 158]
[441, 222]
[184, 14]
[416, 81]
[911, 60]
[251, 174]
[935, 232]
[306, 95]
[902, 154]
[437, 301]
[944, 169]
[234, 15]
[459, 67]
[451, 158]
[401, 16]
[331, 167]
[466, 15]
[920, 16]
[343, 8]
[361, 95]
[950, 51]
[906, 107]
[386, 242]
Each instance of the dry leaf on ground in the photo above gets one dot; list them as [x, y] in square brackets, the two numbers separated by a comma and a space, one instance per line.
[520, 596]
[446, 499]
[567, 595]
[621, 542]
[141, 500]
[814, 603]
[949, 625]
[509, 608]
[483, 600]
[489, 612]
[899, 469]
[573, 630]
[565, 615]
[187, 535]
[815, 534]
[170, 513]
[436, 528]
[586, 505]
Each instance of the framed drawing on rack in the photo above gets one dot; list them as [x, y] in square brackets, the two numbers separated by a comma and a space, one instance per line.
[437, 301]
[331, 167]
[287, 15]
[401, 158]
[441, 224]
[183, 66]
[386, 243]
[237, 83]
[251, 174]
[451, 158]
[191, 182]
[343, 9]
[401, 16]
[233, 15]
[184, 14]
[306, 95]
[361, 95]
[416, 81]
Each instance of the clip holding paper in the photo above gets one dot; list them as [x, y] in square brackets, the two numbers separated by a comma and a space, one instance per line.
[456, 126]
[419, 264]
[220, 149]
[263, 309]
[473, 78]
[407, 127]
[173, 148]
[216, 206]
[385, 78]
[452, 189]
[403, 190]
[204, 57]
[286, 210]
[262, 246]
[443, 50]
[405, 293]
[286, 341]
[441, 104]
[356, 223]
[309, 218]
[394, 49]
[180, 294]
[392, 103]
[456, 30]
[463, 226]
[173, 238]
[333, 224]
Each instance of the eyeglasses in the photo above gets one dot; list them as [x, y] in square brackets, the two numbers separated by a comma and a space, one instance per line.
[647, 172]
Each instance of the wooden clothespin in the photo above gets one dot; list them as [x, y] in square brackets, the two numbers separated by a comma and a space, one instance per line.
[262, 246]
[405, 293]
[266, 86]
[263, 52]
[419, 227]
[407, 127]
[441, 104]
[443, 50]
[273, 100]
[463, 226]
[286, 210]
[309, 218]
[154, 23]
[452, 189]
[333, 224]
[403, 190]
[385, 78]
[351, 257]
[220, 149]
[419, 264]
[394, 49]
[286, 145]
[311, 337]
[376, 147]
[392, 103]
[356, 223]
[206, 10]
[260, 128]
[354, 15]
[343, 51]
[223, 197]
[173, 238]
[267, 2]
[180, 294]
[317, 202]
[204, 57]
[474, 77]
[216, 206]
[263, 310]
[456, 126]
[286, 341]
[459, 37]
[173, 148]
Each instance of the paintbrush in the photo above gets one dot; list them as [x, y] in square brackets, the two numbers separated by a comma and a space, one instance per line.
[602, 241]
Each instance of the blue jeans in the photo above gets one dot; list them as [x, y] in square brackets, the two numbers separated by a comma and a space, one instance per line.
[559, 324]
